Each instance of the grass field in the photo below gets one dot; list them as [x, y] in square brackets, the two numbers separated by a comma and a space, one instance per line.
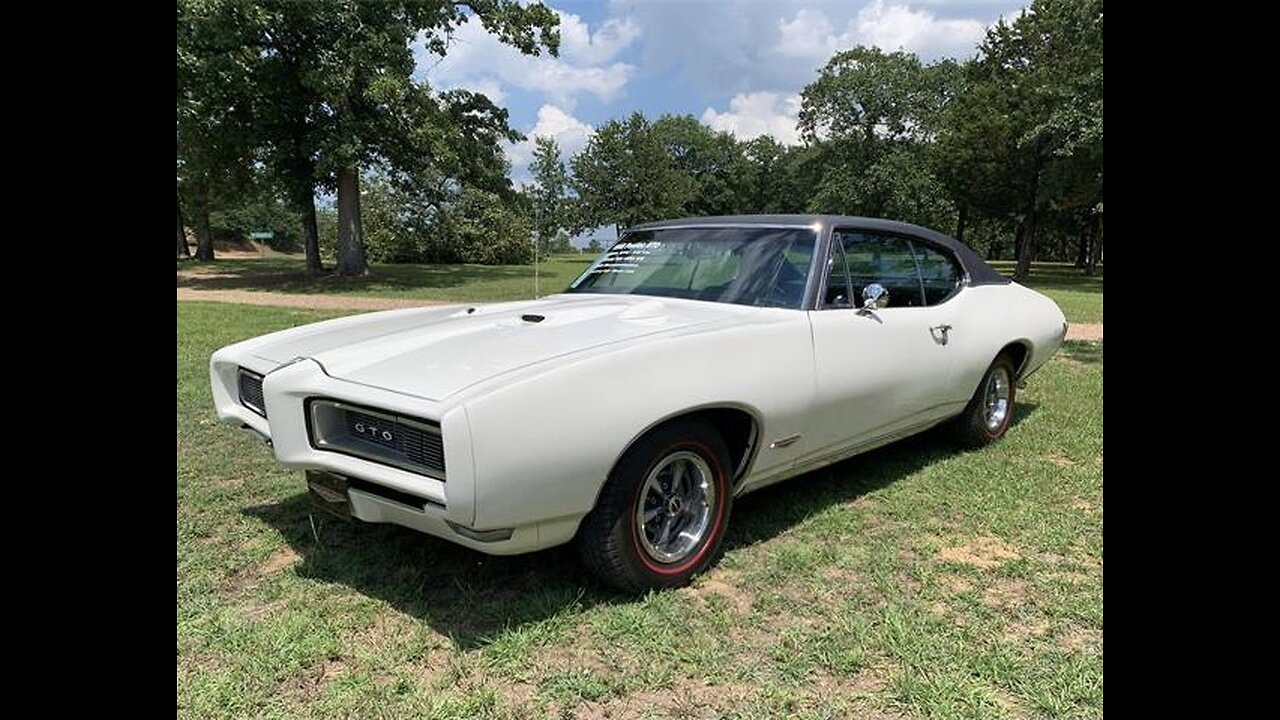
[915, 581]
[1079, 297]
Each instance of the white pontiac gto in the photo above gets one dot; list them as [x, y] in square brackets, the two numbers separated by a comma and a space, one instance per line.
[695, 361]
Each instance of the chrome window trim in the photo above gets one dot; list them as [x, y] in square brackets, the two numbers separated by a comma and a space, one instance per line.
[962, 282]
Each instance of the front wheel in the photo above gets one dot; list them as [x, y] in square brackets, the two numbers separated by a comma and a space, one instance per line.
[662, 513]
[987, 416]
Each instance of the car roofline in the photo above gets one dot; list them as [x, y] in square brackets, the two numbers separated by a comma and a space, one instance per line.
[975, 267]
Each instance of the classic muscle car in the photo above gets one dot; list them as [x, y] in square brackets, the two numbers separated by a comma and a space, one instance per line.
[694, 361]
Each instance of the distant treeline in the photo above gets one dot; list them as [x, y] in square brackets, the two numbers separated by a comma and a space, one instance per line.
[277, 102]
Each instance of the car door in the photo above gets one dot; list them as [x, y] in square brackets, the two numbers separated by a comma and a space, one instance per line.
[881, 372]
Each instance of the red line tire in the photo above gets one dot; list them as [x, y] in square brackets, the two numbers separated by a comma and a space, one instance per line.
[624, 551]
[982, 423]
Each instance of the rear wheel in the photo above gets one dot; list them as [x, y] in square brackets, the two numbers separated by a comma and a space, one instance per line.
[662, 513]
[987, 416]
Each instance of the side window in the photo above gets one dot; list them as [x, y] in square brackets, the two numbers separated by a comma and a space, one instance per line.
[939, 274]
[884, 259]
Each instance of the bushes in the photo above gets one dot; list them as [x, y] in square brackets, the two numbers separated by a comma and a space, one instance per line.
[475, 226]
[482, 229]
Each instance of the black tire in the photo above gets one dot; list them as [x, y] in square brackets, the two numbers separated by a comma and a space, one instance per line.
[609, 539]
[977, 426]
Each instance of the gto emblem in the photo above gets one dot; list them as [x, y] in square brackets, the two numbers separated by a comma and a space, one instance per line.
[374, 432]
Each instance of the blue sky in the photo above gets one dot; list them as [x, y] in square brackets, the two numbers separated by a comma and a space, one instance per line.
[738, 65]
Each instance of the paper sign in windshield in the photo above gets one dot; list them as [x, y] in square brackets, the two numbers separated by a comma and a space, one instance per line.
[624, 258]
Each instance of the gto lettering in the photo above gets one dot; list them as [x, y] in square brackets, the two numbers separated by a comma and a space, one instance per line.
[374, 432]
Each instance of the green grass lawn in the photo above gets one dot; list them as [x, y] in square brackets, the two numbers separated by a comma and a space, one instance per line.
[1079, 297]
[452, 283]
[915, 581]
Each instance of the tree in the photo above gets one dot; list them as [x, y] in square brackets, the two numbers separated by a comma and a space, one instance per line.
[374, 102]
[485, 229]
[874, 97]
[183, 250]
[773, 183]
[624, 177]
[870, 118]
[214, 117]
[288, 111]
[1025, 139]
[329, 82]
[549, 196]
[711, 162]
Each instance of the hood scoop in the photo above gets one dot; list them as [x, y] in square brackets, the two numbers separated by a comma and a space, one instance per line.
[456, 349]
[649, 312]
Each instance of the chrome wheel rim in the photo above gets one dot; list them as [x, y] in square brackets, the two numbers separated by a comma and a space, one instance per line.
[996, 399]
[673, 515]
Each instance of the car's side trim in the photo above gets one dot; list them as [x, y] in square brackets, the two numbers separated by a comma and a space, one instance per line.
[843, 453]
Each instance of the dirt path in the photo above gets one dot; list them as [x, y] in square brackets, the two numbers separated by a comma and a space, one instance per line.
[1085, 331]
[1076, 331]
[295, 300]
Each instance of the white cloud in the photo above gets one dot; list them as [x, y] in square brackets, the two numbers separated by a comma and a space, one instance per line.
[569, 132]
[476, 58]
[581, 46]
[759, 113]
[807, 35]
[489, 88]
[810, 34]
[718, 48]
[897, 27]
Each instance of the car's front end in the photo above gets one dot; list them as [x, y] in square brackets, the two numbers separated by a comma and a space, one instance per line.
[476, 424]
[370, 453]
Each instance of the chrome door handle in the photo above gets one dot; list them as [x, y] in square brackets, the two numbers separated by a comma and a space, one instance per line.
[941, 333]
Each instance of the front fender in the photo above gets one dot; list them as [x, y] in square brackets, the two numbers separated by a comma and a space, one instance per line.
[545, 443]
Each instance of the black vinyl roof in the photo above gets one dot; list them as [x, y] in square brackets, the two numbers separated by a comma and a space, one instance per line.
[980, 273]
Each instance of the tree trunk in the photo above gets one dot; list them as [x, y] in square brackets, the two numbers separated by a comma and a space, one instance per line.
[1027, 232]
[204, 233]
[351, 259]
[1026, 247]
[1095, 251]
[183, 250]
[306, 204]
[961, 217]
[1082, 247]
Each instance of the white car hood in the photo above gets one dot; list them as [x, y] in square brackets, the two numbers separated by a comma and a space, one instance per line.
[435, 353]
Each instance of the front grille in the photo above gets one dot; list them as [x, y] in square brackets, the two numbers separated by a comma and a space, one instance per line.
[417, 445]
[251, 391]
[404, 442]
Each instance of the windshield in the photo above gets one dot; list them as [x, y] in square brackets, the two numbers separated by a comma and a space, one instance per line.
[768, 267]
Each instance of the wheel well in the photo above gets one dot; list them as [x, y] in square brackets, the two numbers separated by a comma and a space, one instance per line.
[1018, 352]
[737, 427]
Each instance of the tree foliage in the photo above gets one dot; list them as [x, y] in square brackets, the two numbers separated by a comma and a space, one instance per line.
[624, 176]
[279, 99]
[214, 115]
[1024, 142]
[331, 84]
[549, 197]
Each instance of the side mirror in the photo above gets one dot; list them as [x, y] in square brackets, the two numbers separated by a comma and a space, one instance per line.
[874, 297]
